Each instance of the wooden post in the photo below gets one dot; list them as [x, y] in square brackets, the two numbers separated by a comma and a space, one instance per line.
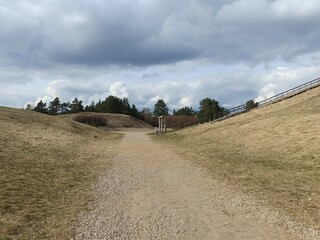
[162, 124]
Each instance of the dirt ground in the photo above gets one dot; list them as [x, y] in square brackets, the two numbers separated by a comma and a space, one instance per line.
[152, 193]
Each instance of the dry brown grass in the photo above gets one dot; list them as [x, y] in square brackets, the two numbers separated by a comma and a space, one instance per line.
[47, 165]
[112, 121]
[271, 152]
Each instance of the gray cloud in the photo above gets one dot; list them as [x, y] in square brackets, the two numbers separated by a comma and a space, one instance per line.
[150, 75]
[156, 32]
[155, 49]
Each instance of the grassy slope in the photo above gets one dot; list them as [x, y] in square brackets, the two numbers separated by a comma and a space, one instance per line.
[115, 121]
[47, 165]
[272, 152]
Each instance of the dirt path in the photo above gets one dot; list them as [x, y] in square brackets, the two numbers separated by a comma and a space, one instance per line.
[151, 193]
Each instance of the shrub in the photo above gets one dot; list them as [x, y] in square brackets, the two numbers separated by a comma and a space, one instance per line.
[176, 121]
[251, 105]
[95, 120]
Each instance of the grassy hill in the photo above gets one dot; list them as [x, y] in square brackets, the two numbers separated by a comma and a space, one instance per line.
[272, 153]
[113, 121]
[47, 165]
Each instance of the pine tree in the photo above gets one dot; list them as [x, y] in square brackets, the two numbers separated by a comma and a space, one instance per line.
[125, 106]
[64, 108]
[76, 106]
[54, 106]
[99, 107]
[160, 109]
[134, 111]
[41, 107]
[112, 104]
[184, 111]
[251, 104]
[210, 107]
[91, 107]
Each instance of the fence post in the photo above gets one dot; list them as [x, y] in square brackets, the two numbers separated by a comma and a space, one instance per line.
[162, 124]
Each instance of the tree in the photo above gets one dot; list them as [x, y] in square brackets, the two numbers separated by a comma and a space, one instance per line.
[210, 107]
[112, 104]
[184, 111]
[64, 108]
[251, 105]
[146, 115]
[134, 111]
[76, 106]
[99, 107]
[91, 107]
[54, 106]
[29, 107]
[125, 106]
[160, 108]
[41, 107]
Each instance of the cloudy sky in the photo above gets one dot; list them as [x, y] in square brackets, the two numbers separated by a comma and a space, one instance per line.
[180, 51]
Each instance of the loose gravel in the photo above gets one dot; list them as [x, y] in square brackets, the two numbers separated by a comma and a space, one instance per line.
[152, 193]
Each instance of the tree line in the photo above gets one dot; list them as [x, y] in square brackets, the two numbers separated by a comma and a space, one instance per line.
[207, 108]
[111, 104]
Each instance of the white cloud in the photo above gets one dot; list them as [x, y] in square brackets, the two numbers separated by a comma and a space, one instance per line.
[44, 99]
[266, 92]
[54, 86]
[295, 8]
[229, 88]
[118, 89]
[186, 101]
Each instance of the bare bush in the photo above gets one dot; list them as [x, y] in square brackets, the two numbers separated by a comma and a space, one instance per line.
[95, 120]
[176, 121]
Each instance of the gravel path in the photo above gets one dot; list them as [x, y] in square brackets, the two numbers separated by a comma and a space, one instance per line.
[151, 193]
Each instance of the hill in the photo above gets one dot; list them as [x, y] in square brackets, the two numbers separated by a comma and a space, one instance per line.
[47, 166]
[271, 153]
[113, 121]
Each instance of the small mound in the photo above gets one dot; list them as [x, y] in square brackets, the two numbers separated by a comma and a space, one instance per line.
[110, 121]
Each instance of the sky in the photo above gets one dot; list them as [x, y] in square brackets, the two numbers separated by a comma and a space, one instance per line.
[180, 51]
